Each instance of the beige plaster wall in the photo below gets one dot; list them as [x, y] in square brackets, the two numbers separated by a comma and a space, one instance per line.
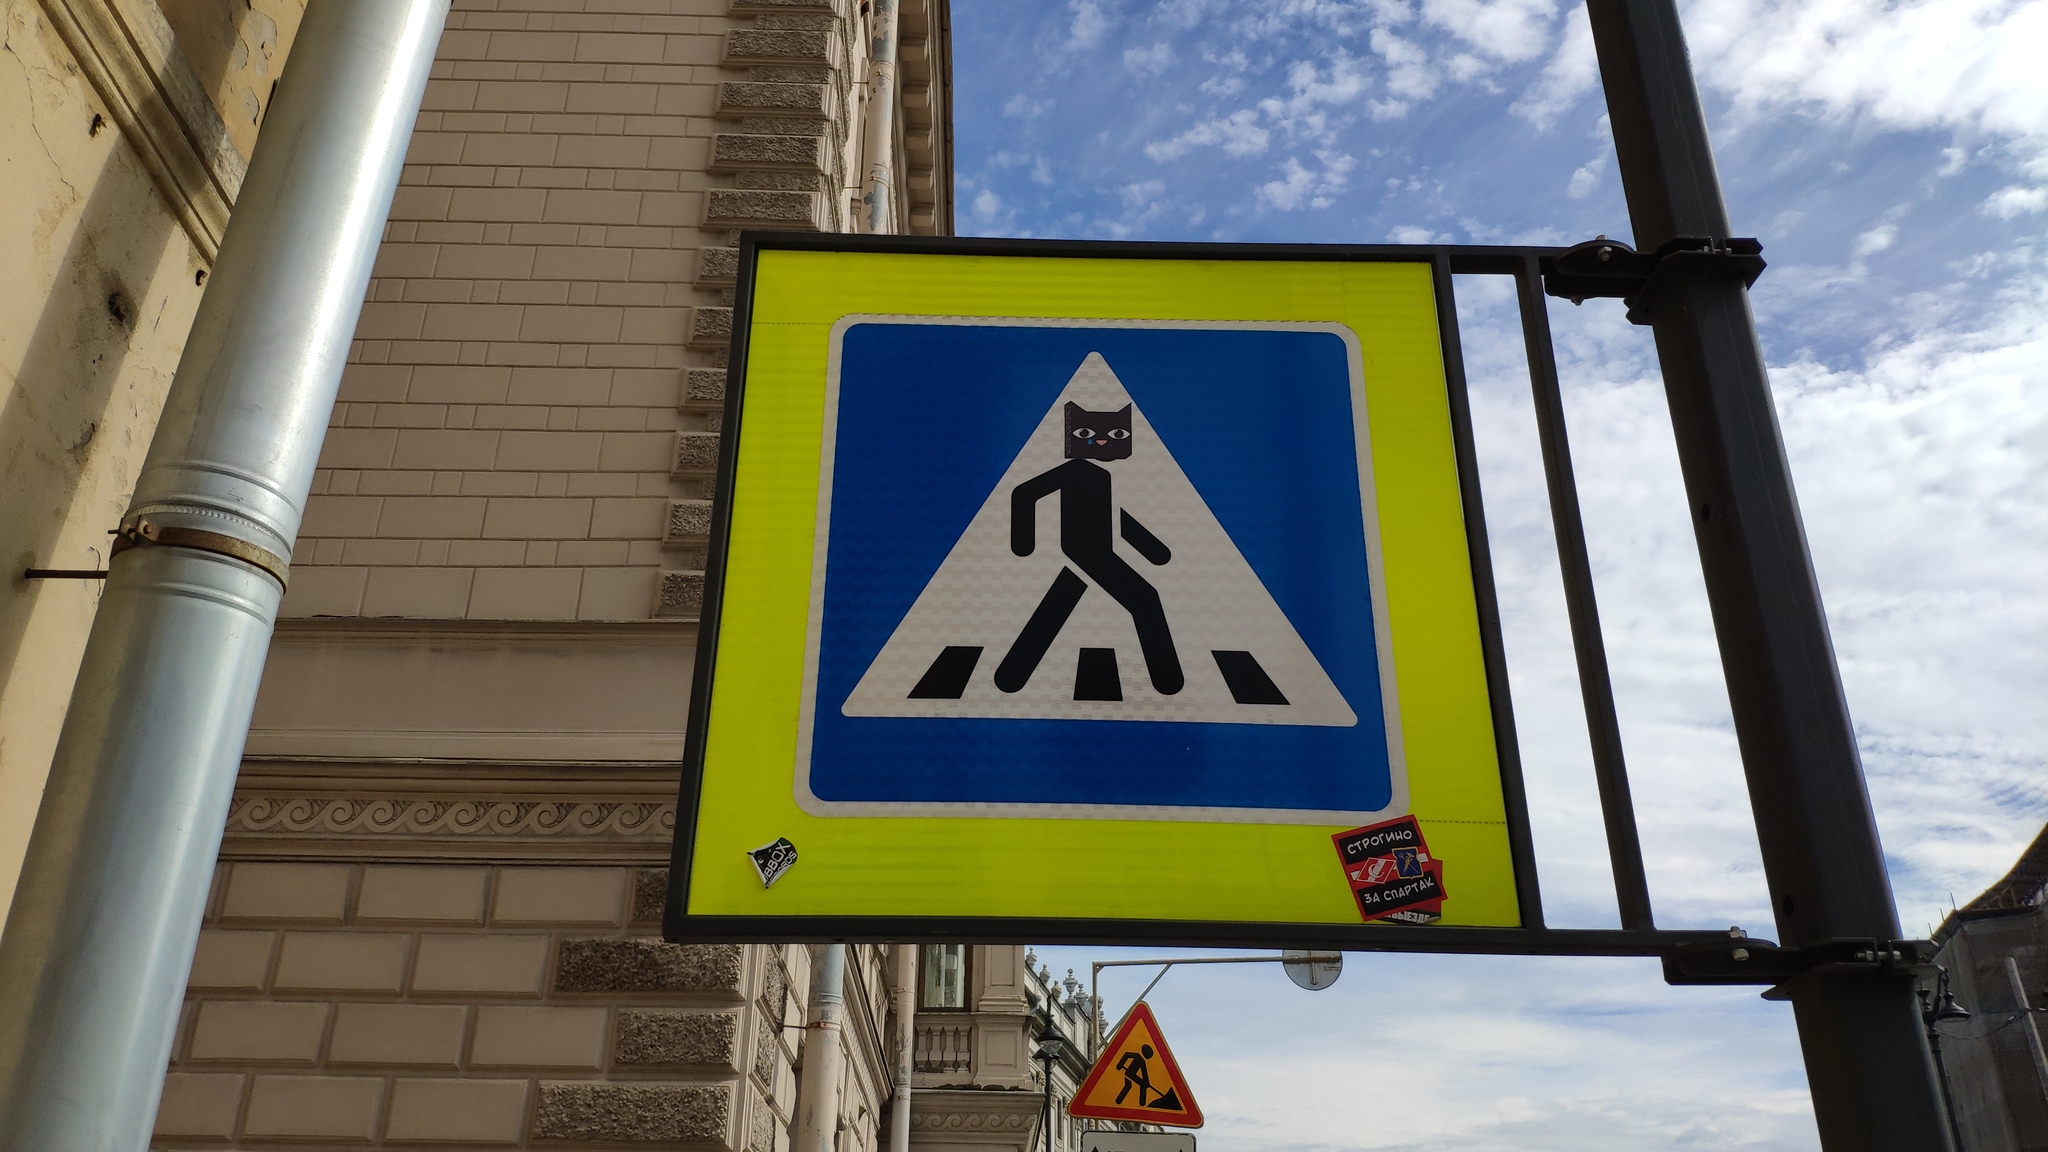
[98, 292]
[237, 49]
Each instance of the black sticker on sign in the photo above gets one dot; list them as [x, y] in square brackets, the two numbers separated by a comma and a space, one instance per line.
[772, 860]
[1361, 844]
[1378, 900]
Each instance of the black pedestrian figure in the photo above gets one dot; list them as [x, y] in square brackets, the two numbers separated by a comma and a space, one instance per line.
[1085, 503]
[1136, 1074]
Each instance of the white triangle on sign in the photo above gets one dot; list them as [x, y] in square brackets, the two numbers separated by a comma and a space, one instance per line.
[1240, 656]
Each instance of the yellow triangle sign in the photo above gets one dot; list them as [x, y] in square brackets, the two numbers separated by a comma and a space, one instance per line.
[1136, 1079]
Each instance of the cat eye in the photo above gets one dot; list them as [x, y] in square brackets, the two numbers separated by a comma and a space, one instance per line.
[1084, 433]
[1119, 434]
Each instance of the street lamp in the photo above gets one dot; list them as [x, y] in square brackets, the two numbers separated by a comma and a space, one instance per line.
[1048, 1054]
[1938, 1006]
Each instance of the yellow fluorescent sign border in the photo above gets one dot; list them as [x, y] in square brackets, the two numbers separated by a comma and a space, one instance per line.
[1038, 867]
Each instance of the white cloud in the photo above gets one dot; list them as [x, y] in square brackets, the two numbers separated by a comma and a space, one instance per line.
[1508, 30]
[1239, 134]
[1972, 65]
[1023, 107]
[1571, 72]
[1584, 180]
[1302, 112]
[1142, 194]
[1410, 234]
[1230, 81]
[1089, 26]
[1151, 61]
[1922, 476]
[1874, 241]
[987, 205]
[1300, 188]
[1409, 76]
[1037, 164]
[2007, 203]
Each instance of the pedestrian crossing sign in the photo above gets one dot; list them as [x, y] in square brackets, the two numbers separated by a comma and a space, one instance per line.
[1137, 1078]
[1057, 586]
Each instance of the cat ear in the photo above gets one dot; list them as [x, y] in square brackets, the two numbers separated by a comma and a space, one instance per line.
[1126, 412]
[1074, 410]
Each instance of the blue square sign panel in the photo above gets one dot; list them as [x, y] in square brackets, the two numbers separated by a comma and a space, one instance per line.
[1114, 569]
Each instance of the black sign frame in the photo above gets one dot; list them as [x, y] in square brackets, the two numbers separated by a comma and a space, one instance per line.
[1528, 267]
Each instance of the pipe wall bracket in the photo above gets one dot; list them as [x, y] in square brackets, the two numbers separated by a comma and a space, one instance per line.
[142, 531]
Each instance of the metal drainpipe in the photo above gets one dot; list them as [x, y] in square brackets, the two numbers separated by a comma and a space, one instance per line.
[906, 1045]
[878, 132]
[817, 1105]
[100, 936]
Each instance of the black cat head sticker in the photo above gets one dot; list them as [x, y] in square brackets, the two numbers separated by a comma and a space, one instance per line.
[772, 860]
[1098, 435]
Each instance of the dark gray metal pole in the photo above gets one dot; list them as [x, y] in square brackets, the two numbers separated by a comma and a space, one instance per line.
[1867, 1059]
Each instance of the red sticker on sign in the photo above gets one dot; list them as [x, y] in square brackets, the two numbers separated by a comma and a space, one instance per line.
[1392, 874]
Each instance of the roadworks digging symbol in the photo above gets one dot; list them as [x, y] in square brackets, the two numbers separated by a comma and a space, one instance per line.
[1136, 1078]
[1391, 872]
[1096, 584]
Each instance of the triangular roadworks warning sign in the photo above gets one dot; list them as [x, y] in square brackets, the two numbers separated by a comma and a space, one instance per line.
[1136, 1079]
[1221, 651]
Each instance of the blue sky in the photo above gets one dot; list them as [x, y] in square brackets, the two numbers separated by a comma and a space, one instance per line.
[1893, 159]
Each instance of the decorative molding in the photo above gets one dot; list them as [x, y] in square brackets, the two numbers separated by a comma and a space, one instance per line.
[387, 815]
[130, 55]
[382, 815]
[986, 1116]
[970, 1121]
[378, 629]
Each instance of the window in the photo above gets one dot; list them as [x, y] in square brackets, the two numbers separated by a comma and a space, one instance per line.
[945, 976]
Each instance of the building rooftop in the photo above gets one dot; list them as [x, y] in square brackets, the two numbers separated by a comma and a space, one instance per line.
[2023, 887]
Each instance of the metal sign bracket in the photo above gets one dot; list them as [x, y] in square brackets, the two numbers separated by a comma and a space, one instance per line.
[1740, 960]
[1604, 268]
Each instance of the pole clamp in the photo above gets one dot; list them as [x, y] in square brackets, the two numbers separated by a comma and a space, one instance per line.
[141, 531]
[1610, 269]
[1741, 960]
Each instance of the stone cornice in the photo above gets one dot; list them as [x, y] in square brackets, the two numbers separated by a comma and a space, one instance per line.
[972, 1116]
[328, 628]
[127, 50]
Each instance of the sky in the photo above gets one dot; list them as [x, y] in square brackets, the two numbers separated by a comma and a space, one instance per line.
[1893, 160]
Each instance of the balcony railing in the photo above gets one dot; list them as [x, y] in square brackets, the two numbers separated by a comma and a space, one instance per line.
[945, 1048]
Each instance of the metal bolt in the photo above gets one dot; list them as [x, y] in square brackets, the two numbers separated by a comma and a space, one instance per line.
[1739, 954]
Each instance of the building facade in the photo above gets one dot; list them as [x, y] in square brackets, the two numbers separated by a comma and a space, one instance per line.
[1993, 961]
[434, 922]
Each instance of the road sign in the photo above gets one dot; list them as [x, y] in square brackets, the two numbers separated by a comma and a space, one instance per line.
[1111, 1140]
[1314, 971]
[1136, 1078]
[1003, 618]
[1086, 589]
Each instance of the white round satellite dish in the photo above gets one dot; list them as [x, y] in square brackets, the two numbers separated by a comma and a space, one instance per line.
[1313, 974]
